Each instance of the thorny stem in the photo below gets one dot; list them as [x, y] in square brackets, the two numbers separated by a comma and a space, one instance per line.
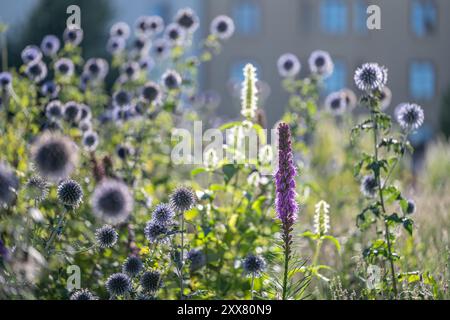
[55, 231]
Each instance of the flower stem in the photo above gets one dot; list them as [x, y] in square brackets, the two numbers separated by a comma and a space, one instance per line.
[55, 231]
[253, 285]
[182, 257]
[286, 239]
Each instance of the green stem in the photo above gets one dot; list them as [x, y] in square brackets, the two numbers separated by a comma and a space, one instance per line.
[253, 285]
[317, 252]
[182, 257]
[55, 231]
[286, 264]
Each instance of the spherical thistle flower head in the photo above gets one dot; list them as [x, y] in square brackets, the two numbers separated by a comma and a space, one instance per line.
[183, 199]
[96, 69]
[141, 45]
[288, 65]
[171, 79]
[175, 34]
[350, 99]
[222, 27]
[86, 113]
[90, 140]
[83, 294]
[5, 81]
[8, 184]
[31, 54]
[132, 266]
[36, 71]
[54, 156]
[151, 281]
[85, 125]
[163, 214]
[370, 76]
[156, 232]
[335, 103]
[50, 45]
[151, 93]
[72, 112]
[50, 89]
[73, 36]
[160, 48]
[321, 64]
[118, 284]
[115, 45]
[369, 186]
[146, 63]
[37, 188]
[187, 19]
[197, 259]
[112, 201]
[249, 92]
[149, 25]
[106, 236]
[410, 116]
[121, 98]
[124, 151]
[411, 207]
[254, 265]
[70, 193]
[54, 110]
[120, 30]
[131, 70]
[64, 67]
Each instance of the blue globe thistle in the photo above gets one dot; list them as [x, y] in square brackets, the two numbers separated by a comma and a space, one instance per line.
[64, 67]
[155, 25]
[222, 27]
[197, 259]
[146, 63]
[370, 76]
[73, 36]
[321, 64]
[369, 186]
[50, 89]
[120, 30]
[118, 284]
[50, 45]
[151, 281]
[156, 232]
[171, 79]
[95, 69]
[115, 45]
[54, 110]
[183, 199]
[72, 112]
[70, 193]
[54, 156]
[121, 98]
[288, 65]
[90, 140]
[349, 98]
[254, 265]
[161, 48]
[86, 113]
[131, 70]
[124, 151]
[106, 236]
[151, 93]
[5, 81]
[8, 185]
[163, 214]
[85, 125]
[83, 294]
[132, 266]
[187, 19]
[112, 201]
[31, 54]
[410, 116]
[335, 103]
[175, 34]
[411, 207]
[146, 26]
[36, 71]
[37, 188]
[140, 45]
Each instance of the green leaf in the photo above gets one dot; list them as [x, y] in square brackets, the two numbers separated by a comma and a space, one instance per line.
[229, 170]
[197, 171]
[408, 225]
[335, 242]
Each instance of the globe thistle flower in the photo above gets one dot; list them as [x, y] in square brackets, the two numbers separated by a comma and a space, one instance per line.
[83, 294]
[50, 45]
[285, 204]
[120, 30]
[85, 112]
[322, 218]
[182, 199]
[121, 98]
[90, 140]
[8, 185]
[141, 45]
[151, 93]
[156, 232]
[118, 284]
[5, 81]
[64, 67]
[50, 89]
[147, 26]
[54, 110]
[197, 259]
[36, 71]
[163, 214]
[72, 112]
[96, 69]
[73, 36]
[410, 116]
[85, 125]
[132, 266]
[70, 193]
[349, 98]
[31, 54]
[222, 27]
[131, 70]
[146, 63]
[161, 48]
[151, 281]
[175, 34]
[37, 188]
[385, 98]
[335, 103]
[115, 45]
[249, 98]
[54, 156]
[288, 65]
[370, 76]
[321, 64]
[369, 186]
[112, 201]
[106, 236]
[187, 19]
[124, 151]
[411, 207]
[254, 265]
[171, 79]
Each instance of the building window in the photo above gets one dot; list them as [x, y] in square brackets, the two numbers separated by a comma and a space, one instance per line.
[333, 16]
[422, 80]
[360, 16]
[247, 16]
[237, 70]
[338, 80]
[424, 17]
